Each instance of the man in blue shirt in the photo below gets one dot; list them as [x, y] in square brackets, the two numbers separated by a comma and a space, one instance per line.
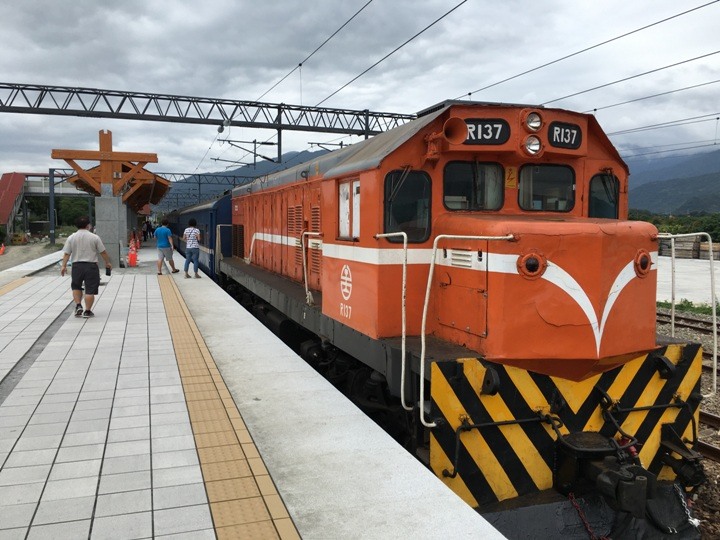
[165, 246]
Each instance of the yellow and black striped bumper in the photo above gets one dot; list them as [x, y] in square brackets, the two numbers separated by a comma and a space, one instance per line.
[490, 447]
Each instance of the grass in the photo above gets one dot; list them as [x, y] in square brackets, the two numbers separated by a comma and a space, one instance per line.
[689, 307]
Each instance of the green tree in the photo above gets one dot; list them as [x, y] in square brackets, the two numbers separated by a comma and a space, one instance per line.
[37, 208]
[71, 208]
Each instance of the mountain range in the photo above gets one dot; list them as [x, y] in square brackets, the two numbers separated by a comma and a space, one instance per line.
[677, 184]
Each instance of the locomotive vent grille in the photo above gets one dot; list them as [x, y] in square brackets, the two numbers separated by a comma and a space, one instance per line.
[294, 220]
[461, 258]
[238, 241]
[295, 229]
[315, 254]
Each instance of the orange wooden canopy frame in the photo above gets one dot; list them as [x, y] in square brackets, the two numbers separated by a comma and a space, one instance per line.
[124, 171]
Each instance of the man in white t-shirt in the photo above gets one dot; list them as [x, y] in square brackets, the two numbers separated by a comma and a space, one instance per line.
[83, 247]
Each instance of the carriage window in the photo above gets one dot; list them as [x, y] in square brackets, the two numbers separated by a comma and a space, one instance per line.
[604, 196]
[549, 188]
[349, 209]
[472, 186]
[407, 205]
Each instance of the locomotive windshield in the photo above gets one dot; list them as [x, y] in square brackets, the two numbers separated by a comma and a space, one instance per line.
[471, 185]
[604, 191]
[549, 188]
[407, 204]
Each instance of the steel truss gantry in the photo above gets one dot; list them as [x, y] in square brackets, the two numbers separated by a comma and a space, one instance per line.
[97, 103]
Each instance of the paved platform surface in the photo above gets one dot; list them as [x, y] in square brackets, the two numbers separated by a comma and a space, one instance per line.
[173, 413]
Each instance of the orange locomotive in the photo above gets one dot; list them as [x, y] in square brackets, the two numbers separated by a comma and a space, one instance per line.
[471, 279]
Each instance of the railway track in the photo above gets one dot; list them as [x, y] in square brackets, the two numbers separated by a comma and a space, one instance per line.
[685, 321]
[708, 450]
[710, 419]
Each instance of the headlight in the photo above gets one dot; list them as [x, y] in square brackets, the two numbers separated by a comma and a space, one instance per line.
[533, 121]
[533, 145]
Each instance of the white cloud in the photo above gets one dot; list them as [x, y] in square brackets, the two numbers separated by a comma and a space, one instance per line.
[239, 49]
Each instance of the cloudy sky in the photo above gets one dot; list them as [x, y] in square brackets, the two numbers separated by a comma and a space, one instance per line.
[239, 49]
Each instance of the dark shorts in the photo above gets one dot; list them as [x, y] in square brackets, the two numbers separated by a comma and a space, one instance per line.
[86, 272]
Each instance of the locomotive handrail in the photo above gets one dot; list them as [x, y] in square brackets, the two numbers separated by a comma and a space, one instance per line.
[308, 295]
[672, 238]
[248, 259]
[404, 325]
[508, 238]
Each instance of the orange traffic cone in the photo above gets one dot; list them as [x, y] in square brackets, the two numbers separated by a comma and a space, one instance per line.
[2, 249]
[132, 258]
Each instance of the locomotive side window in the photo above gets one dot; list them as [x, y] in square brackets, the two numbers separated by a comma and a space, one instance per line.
[349, 209]
[549, 188]
[356, 208]
[407, 204]
[344, 209]
[471, 185]
[604, 196]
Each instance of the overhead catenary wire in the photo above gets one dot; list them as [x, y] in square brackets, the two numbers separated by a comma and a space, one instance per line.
[673, 150]
[672, 123]
[652, 96]
[316, 50]
[631, 77]
[388, 55]
[299, 66]
[587, 49]
[678, 144]
[393, 52]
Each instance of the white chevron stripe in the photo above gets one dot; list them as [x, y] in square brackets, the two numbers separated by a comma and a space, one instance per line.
[493, 263]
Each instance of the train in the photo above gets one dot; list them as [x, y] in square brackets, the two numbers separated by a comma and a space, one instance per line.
[211, 217]
[471, 280]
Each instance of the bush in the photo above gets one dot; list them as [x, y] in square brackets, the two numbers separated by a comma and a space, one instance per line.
[689, 307]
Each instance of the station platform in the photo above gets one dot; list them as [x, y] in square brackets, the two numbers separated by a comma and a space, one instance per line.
[173, 413]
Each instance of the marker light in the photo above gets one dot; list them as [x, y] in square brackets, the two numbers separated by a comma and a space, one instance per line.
[533, 145]
[643, 263]
[531, 265]
[533, 121]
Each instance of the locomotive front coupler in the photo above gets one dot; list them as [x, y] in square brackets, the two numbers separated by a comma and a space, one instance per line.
[587, 461]
[688, 466]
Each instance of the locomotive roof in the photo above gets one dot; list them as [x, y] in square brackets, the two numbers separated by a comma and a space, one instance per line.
[364, 155]
[207, 205]
[370, 153]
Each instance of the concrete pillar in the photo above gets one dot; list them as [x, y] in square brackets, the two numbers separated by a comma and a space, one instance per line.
[111, 223]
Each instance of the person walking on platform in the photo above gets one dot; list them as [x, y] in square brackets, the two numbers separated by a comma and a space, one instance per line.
[165, 246]
[191, 236]
[83, 247]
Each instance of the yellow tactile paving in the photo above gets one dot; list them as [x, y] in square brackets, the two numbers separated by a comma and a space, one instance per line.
[13, 285]
[243, 499]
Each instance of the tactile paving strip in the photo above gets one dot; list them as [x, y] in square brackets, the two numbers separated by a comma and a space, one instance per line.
[13, 285]
[243, 499]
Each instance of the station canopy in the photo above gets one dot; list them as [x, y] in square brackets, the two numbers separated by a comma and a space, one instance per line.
[137, 190]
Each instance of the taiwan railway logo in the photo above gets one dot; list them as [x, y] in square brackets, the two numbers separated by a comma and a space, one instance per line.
[346, 282]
